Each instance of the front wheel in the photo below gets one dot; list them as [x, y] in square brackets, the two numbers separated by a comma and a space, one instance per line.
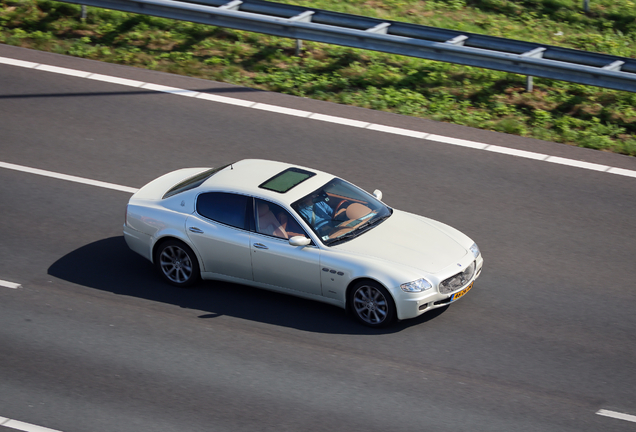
[177, 263]
[371, 304]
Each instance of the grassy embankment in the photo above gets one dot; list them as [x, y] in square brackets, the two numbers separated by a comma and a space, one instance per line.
[556, 111]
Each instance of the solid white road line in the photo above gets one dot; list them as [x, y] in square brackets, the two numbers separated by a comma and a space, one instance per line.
[617, 415]
[63, 71]
[67, 177]
[282, 110]
[8, 284]
[322, 117]
[19, 63]
[226, 100]
[515, 152]
[173, 90]
[115, 80]
[457, 142]
[570, 162]
[27, 427]
[623, 172]
[340, 120]
[398, 131]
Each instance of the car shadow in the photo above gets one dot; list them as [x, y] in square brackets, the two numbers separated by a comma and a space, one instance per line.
[109, 265]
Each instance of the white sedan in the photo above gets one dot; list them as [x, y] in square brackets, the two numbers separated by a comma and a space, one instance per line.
[299, 231]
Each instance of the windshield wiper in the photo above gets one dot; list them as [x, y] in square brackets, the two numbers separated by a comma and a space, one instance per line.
[360, 230]
[346, 236]
[367, 225]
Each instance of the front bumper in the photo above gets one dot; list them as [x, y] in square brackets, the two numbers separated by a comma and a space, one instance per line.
[412, 305]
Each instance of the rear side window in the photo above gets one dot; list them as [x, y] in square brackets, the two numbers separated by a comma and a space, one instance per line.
[193, 182]
[226, 208]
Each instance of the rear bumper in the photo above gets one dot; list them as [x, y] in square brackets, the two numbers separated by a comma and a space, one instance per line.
[138, 242]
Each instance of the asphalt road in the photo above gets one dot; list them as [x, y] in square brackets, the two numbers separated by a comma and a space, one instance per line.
[94, 341]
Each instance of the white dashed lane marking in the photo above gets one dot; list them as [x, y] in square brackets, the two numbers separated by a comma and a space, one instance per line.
[27, 427]
[8, 284]
[321, 117]
[67, 177]
[617, 415]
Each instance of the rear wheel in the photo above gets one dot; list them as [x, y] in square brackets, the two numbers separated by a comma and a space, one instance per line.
[372, 304]
[177, 263]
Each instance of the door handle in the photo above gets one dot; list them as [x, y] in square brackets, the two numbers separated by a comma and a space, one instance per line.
[195, 230]
[260, 246]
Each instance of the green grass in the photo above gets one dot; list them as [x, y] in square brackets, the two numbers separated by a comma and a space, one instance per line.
[557, 111]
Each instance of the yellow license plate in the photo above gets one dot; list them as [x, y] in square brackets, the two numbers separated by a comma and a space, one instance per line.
[462, 292]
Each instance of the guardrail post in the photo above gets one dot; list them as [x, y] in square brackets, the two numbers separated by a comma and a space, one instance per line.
[381, 28]
[536, 53]
[303, 17]
[614, 66]
[586, 5]
[83, 12]
[457, 40]
[233, 5]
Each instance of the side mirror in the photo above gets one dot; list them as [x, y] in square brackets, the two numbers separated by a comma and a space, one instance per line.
[378, 194]
[299, 241]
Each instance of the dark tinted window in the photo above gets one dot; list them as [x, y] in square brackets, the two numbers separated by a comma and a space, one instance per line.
[227, 208]
[193, 182]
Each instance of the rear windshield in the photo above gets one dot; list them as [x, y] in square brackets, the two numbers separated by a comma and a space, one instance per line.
[193, 182]
[286, 180]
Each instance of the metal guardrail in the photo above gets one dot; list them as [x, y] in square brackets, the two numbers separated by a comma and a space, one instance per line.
[301, 23]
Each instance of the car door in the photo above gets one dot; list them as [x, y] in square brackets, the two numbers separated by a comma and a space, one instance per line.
[219, 230]
[274, 261]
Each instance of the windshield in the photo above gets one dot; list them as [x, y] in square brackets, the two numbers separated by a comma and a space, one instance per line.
[339, 211]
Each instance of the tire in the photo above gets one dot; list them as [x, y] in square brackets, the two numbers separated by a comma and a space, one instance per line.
[371, 304]
[177, 263]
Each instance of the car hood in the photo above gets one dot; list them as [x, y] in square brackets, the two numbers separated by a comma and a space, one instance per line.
[410, 240]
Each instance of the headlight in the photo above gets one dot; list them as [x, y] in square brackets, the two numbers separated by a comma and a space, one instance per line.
[475, 250]
[416, 286]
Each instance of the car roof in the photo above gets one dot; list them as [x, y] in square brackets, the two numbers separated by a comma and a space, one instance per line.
[245, 176]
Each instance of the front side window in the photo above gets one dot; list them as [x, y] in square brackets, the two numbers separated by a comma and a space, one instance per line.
[226, 208]
[340, 211]
[271, 219]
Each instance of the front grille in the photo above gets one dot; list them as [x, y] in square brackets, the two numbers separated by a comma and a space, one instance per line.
[457, 281]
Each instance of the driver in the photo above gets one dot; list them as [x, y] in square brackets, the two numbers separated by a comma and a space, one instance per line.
[318, 214]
